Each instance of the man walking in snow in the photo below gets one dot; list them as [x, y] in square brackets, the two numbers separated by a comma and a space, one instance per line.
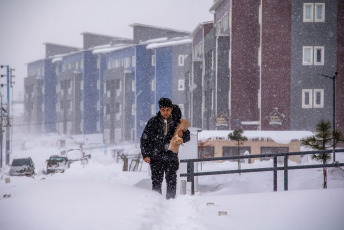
[155, 141]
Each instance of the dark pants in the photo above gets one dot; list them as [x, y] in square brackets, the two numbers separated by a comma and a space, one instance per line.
[168, 164]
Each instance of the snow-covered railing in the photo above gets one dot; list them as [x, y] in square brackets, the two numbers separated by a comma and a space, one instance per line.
[191, 173]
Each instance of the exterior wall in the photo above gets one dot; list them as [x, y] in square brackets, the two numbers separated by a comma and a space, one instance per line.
[119, 95]
[222, 44]
[54, 49]
[143, 33]
[91, 40]
[276, 58]
[163, 74]
[340, 68]
[179, 70]
[70, 101]
[90, 93]
[143, 88]
[196, 89]
[209, 88]
[255, 146]
[34, 100]
[244, 77]
[50, 97]
[308, 76]
[222, 78]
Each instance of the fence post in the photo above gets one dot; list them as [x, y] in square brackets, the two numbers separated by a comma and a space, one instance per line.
[191, 178]
[275, 173]
[285, 172]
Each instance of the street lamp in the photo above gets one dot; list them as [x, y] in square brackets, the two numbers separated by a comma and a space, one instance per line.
[334, 108]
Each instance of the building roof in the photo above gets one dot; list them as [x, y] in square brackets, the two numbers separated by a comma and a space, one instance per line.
[108, 36]
[200, 26]
[157, 27]
[215, 5]
[172, 42]
[54, 44]
[108, 49]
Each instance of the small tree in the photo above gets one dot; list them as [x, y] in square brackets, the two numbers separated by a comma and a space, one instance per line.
[237, 136]
[322, 141]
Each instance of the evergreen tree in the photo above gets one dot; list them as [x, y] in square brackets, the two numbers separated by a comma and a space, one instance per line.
[237, 136]
[322, 140]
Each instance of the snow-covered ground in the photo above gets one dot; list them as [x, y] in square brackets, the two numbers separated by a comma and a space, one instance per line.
[101, 196]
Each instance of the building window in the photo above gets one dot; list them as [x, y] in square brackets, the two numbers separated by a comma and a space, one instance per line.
[181, 85]
[82, 64]
[153, 86]
[307, 98]
[198, 50]
[319, 11]
[127, 62]
[153, 109]
[181, 60]
[307, 55]
[109, 65]
[81, 84]
[77, 65]
[153, 60]
[318, 55]
[318, 98]
[133, 85]
[313, 55]
[133, 109]
[98, 105]
[133, 61]
[308, 12]
[314, 12]
[118, 85]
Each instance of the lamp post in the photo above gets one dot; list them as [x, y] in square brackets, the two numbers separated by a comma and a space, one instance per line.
[333, 78]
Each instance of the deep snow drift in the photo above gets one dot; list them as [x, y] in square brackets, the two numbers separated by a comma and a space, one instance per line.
[101, 196]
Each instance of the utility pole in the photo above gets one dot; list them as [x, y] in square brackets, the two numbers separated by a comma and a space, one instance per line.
[1, 112]
[8, 124]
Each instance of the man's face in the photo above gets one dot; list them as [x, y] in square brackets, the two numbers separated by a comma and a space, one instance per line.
[165, 112]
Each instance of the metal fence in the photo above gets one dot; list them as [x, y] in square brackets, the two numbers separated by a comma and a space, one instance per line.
[191, 172]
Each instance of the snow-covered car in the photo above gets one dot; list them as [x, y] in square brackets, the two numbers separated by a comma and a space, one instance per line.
[22, 167]
[57, 164]
[77, 155]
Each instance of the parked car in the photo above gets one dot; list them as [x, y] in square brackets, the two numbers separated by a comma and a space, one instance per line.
[77, 155]
[22, 167]
[57, 164]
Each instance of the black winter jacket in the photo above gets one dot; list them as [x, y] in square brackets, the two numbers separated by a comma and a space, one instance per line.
[153, 143]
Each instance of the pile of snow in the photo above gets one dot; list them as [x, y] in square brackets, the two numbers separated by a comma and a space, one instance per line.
[101, 196]
[280, 137]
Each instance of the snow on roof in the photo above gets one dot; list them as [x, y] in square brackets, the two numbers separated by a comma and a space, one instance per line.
[110, 49]
[57, 59]
[156, 40]
[168, 43]
[281, 137]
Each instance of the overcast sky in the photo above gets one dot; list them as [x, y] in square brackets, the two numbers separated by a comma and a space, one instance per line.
[27, 24]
